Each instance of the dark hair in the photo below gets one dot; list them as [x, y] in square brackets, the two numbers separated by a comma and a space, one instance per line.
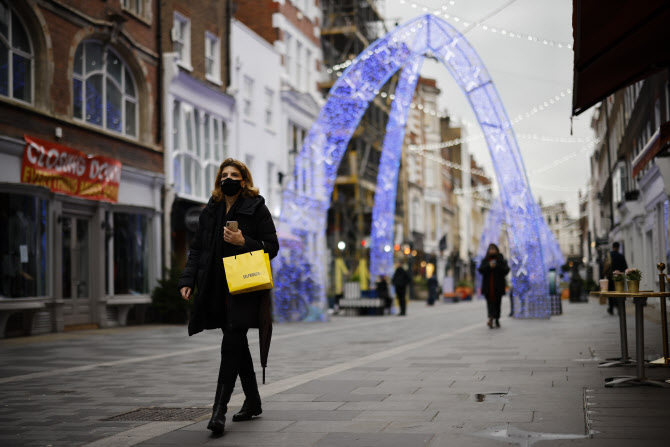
[248, 191]
[494, 246]
[615, 245]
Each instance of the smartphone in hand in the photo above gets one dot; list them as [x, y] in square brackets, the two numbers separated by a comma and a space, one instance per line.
[231, 225]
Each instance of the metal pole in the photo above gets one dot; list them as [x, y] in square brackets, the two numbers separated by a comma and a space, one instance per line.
[639, 336]
[621, 302]
[664, 316]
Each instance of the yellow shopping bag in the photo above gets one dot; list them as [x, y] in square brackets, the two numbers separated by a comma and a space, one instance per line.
[248, 272]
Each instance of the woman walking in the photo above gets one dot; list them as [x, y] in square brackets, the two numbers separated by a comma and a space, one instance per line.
[493, 268]
[234, 203]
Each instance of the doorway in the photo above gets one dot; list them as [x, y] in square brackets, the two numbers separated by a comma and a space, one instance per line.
[75, 273]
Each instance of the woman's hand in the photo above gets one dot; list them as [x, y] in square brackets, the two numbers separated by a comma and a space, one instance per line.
[186, 293]
[233, 237]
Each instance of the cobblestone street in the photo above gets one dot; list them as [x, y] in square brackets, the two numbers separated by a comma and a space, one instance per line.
[438, 377]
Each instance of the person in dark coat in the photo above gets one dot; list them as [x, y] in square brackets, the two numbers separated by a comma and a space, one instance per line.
[401, 280]
[234, 199]
[383, 291]
[616, 261]
[493, 268]
[432, 290]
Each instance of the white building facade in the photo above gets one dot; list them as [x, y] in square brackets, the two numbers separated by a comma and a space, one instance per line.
[258, 119]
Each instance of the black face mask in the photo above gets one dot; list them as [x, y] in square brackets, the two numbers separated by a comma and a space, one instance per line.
[231, 187]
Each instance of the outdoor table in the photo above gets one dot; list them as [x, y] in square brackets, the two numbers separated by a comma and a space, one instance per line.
[624, 360]
[639, 298]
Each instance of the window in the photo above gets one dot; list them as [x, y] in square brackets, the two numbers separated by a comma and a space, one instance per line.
[16, 57]
[181, 39]
[23, 246]
[298, 65]
[131, 253]
[416, 216]
[249, 161]
[134, 6]
[199, 145]
[288, 51]
[269, 106]
[212, 58]
[103, 90]
[308, 70]
[248, 95]
[430, 174]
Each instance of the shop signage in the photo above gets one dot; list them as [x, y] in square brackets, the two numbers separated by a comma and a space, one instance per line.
[69, 171]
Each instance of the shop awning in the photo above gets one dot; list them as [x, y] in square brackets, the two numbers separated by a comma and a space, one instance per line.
[616, 43]
[659, 140]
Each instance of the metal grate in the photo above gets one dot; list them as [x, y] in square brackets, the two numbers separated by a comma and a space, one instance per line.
[161, 414]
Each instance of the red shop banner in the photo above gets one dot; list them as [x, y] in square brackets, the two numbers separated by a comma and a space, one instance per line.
[69, 171]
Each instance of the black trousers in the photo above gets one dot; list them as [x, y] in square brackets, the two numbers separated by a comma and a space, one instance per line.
[400, 293]
[493, 307]
[235, 356]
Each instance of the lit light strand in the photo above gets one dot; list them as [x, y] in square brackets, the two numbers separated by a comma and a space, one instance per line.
[470, 24]
[586, 148]
[304, 212]
[549, 102]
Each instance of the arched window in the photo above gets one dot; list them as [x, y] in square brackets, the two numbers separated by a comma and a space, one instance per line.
[103, 90]
[16, 57]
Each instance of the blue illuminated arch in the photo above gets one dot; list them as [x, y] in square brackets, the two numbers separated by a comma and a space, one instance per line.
[305, 203]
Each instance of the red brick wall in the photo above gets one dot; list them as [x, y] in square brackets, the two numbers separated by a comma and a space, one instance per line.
[257, 15]
[205, 15]
[62, 29]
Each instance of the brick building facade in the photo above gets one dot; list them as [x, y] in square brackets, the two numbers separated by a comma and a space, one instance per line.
[78, 76]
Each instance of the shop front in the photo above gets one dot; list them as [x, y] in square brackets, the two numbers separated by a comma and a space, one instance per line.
[80, 244]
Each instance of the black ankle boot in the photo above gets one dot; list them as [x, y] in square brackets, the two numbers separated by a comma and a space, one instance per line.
[252, 401]
[218, 421]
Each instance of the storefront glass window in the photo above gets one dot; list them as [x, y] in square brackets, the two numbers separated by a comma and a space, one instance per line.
[131, 254]
[23, 245]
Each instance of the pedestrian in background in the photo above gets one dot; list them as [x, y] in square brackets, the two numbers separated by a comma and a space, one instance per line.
[493, 268]
[400, 281]
[383, 292]
[432, 290]
[614, 261]
[234, 199]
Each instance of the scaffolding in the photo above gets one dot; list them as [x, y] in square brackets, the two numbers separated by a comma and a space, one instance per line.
[350, 26]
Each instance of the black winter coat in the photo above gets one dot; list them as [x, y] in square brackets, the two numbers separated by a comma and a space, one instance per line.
[499, 272]
[401, 278]
[204, 274]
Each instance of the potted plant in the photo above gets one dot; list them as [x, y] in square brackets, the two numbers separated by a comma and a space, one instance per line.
[633, 276]
[618, 277]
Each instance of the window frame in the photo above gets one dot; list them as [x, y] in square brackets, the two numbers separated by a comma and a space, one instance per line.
[125, 69]
[183, 60]
[247, 98]
[200, 160]
[132, 6]
[10, 60]
[269, 108]
[214, 59]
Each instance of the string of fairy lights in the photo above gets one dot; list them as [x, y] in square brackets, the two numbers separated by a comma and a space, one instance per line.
[539, 107]
[469, 25]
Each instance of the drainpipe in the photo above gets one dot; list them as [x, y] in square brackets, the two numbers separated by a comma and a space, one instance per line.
[609, 165]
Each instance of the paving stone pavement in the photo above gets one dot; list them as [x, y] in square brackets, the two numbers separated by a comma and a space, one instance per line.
[438, 377]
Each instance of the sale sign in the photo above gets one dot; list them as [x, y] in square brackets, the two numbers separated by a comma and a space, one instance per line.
[69, 171]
